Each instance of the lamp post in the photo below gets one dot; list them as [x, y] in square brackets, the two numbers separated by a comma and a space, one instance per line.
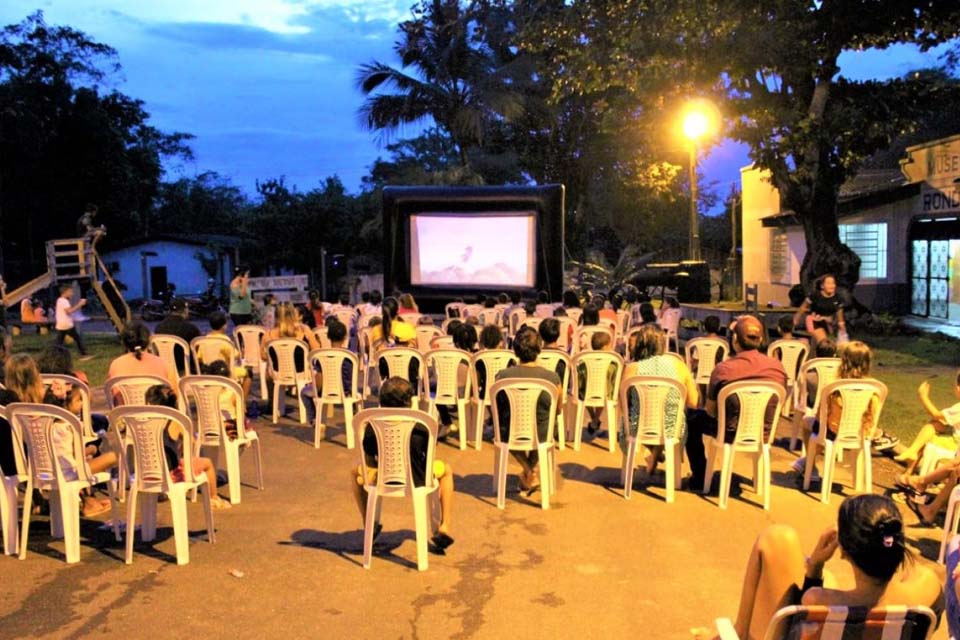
[696, 123]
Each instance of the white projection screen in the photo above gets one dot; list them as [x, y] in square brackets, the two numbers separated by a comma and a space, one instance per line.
[489, 249]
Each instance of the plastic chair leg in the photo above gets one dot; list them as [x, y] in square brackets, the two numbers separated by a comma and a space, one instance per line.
[478, 428]
[421, 516]
[232, 454]
[348, 422]
[277, 399]
[610, 415]
[829, 462]
[502, 477]
[56, 515]
[302, 407]
[208, 513]
[726, 472]
[369, 523]
[178, 513]
[70, 522]
[131, 522]
[671, 454]
[867, 469]
[8, 514]
[626, 471]
[319, 431]
[264, 393]
[766, 476]
[256, 444]
[812, 450]
[25, 523]
[562, 426]
[545, 468]
[578, 425]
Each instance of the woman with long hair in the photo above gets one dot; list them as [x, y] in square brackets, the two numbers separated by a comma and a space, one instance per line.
[869, 535]
[824, 310]
[393, 331]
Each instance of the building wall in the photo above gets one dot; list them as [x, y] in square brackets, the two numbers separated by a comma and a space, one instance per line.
[761, 200]
[183, 268]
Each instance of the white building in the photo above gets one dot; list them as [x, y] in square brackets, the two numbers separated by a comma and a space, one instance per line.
[147, 265]
[904, 224]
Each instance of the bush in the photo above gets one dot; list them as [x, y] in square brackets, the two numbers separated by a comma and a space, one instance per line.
[882, 324]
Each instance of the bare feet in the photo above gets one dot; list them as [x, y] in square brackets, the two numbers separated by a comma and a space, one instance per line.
[93, 507]
[216, 502]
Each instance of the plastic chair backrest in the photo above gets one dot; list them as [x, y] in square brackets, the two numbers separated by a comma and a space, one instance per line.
[651, 396]
[791, 354]
[574, 314]
[754, 396]
[347, 317]
[446, 365]
[131, 389]
[320, 333]
[583, 336]
[472, 310]
[364, 344]
[166, 346]
[455, 310]
[567, 327]
[284, 350]
[855, 395]
[207, 394]
[426, 333]
[532, 321]
[21, 467]
[392, 429]
[398, 361]
[443, 342]
[143, 428]
[550, 359]
[330, 362]
[623, 322]
[826, 369]
[214, 346]
[412, 318]
[33, 425]
[523, 397]
[53, 379]
[494, 361]
[489, 316]
[250, 338]
[814, 622]
[596, 367]
[670, 320]
[517, 317]
[709, 352]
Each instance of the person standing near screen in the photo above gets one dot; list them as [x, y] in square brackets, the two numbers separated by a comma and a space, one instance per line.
[241, 303]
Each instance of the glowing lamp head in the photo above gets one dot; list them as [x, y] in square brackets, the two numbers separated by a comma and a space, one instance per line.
[695, 125]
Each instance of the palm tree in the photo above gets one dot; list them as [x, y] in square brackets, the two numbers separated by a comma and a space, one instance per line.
[447, 74]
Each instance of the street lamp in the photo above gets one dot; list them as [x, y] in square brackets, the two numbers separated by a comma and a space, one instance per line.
[696, 124]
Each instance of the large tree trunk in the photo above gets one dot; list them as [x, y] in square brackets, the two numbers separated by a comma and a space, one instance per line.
[825, 253]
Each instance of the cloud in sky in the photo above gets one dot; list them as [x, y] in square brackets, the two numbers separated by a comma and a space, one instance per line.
[267, 86]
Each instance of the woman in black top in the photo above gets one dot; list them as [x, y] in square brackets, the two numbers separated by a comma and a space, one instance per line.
[824, 309]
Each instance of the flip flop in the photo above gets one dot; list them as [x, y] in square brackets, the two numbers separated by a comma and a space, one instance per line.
[442, 540]
[99, 510]
[902, 483]
[921, 523]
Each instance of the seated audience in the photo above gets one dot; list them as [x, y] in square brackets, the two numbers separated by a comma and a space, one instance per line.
[176, 324]
[491, 337]
[598, 342]
[942, 422]
[137, 361]
[407, 304]
[397, 393]
[527, 345]
[711, 327]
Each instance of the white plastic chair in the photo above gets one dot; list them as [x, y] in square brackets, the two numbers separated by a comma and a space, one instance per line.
[574, 314]
[532, 321]
[551, 359]
[455, 310]
[494, 361]
[32, 426]
[754, 397]
[208, 394]
[652, 394]
[583, 336]
[214, 346]
[670, 322]
[446, 365]
[332, 393]
[791, 354]
[834, 622]
[249, 338]
[392, 429]
[523, 396]
[320, 333]
[851, 436]
[489, 316]
[708, 352]
[826, 370]
[347, 317]
[86, 415]
[166, 347]
[597, 393]
[472, 310]
[425, 334]
[368, 364]
[411, 318]
[9, 513]
[144, 427]
[951, 523]
[285, 373]
[517, 316]
[623, 326]
[398, 360]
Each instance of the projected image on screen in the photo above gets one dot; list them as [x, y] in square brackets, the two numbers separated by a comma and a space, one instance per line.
[479, 249]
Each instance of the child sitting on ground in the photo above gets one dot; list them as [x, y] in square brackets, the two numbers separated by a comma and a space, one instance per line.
[164, 396]
[942, 422]
[397, 393]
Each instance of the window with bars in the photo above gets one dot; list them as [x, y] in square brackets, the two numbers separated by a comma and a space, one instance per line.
[869, 241]
[779, 256]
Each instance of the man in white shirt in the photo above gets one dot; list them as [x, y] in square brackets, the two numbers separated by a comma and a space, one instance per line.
[64, 325]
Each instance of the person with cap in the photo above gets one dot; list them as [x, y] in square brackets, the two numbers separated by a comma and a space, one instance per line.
[747, 364]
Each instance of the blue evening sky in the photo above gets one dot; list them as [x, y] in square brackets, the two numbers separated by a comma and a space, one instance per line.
[267, 86]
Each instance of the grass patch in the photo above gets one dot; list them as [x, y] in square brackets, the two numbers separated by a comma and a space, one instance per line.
[103, 346]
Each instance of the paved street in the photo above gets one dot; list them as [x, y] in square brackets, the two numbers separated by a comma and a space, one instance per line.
[593, 565]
